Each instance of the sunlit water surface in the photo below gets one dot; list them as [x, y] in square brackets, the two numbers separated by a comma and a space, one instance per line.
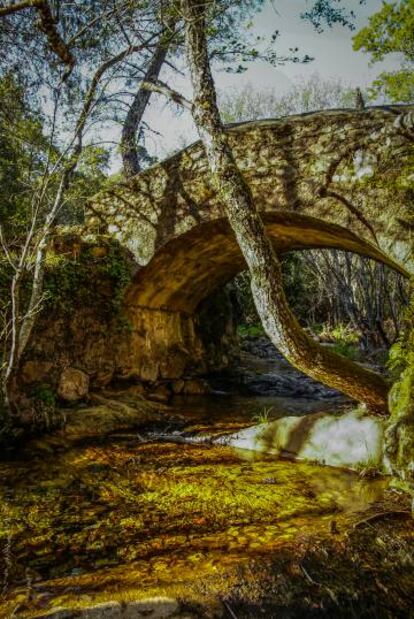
[129, 515]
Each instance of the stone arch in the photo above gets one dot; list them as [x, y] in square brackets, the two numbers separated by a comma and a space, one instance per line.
[166, 340]
[189, 268]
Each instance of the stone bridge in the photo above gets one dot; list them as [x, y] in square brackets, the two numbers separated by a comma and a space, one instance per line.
[344, 167]
[340, 179]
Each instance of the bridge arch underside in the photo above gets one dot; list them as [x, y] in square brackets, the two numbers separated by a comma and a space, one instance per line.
[171, 334]
[189, 268]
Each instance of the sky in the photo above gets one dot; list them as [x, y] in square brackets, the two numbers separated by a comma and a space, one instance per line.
[333, 58]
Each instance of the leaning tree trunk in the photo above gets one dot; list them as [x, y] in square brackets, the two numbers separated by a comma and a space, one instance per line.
[130, 157]
[266, 279]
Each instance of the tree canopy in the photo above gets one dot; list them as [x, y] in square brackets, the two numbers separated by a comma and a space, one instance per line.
[391, 31]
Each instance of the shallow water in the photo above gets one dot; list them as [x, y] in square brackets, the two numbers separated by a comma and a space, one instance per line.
[127, 516]
[225, 409]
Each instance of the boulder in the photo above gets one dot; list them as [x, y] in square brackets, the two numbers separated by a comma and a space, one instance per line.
[352, 440]
[73, 385]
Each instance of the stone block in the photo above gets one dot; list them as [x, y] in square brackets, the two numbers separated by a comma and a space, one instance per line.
[73, 385]
[36, 371]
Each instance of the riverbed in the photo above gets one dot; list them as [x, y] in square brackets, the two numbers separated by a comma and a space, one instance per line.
[130, 516]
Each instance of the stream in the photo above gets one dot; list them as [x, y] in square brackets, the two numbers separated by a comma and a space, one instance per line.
[129, 515]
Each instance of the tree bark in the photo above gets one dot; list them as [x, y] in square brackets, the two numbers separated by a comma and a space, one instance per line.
[130, 157]
[266, 279]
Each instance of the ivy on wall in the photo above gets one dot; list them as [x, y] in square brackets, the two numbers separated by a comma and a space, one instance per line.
[94, 276]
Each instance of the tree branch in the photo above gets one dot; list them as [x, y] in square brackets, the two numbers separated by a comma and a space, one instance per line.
[133, 119]
[93, 21]
[89, 98]
[170, 93]
[20, 6]
[47, 25]
[5, 248]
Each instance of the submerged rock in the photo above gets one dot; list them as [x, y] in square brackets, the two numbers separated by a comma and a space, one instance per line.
[156, 608]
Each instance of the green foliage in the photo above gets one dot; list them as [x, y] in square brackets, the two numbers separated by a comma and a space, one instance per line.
[89, 178]
[346, 350]
[264, 415]
[45, 394]
[344, 339]
[45, 412]
[88, 281]
[397, 358]
[255, 330]
[244, 309]
[327, 12]
[397, 86]
[233, 43]
[401, 354]
[400, 431]
[342, 334]
[22, 150]
[391, 31]
[298, 284]
[370, 469]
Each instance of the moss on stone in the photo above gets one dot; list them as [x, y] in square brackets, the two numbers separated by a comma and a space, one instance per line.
[400, 432]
